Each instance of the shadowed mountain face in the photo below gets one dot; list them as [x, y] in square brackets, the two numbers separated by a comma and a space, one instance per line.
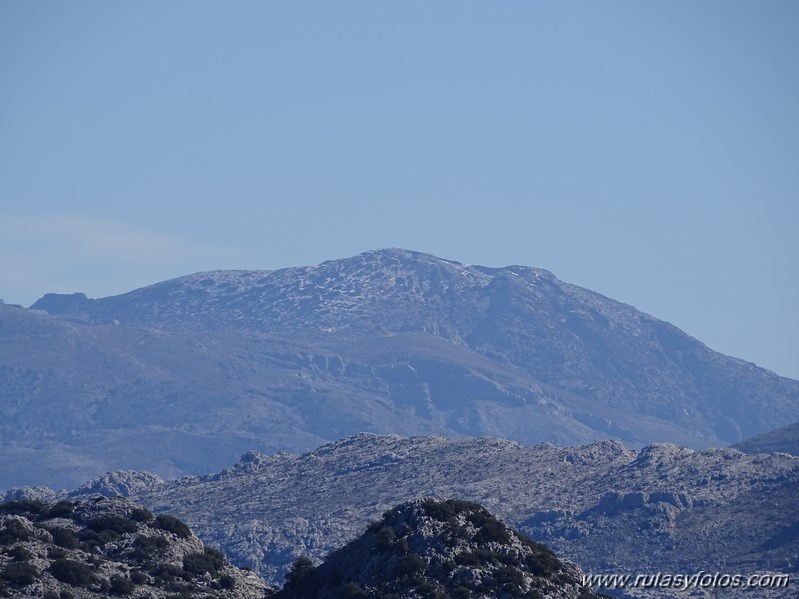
[202, 368]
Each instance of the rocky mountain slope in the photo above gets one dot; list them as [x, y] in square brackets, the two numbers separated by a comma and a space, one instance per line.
[608, 508]
[438, 549]
[88, 549]
[202, 368]
[422, 549]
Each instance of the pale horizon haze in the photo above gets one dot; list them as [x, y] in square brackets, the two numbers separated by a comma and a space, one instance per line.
[648, 151]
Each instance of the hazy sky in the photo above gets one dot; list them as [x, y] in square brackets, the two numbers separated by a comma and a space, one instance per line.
[646, 150]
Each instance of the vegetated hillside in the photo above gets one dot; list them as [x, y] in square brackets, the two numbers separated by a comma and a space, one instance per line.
[784, 439]
[443, 549]
[69, 550]
[608, 508]
[205, 367]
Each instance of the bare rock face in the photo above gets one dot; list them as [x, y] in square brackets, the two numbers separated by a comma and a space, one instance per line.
[438, 548]
[45, 494]
[122, 483]
[103, 546]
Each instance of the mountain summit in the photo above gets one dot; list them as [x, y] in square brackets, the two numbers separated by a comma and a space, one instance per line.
[204, 367]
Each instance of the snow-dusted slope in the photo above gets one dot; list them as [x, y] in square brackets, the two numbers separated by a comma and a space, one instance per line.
[370, 292]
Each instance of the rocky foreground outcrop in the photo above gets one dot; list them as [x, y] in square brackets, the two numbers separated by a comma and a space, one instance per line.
[434, 548]
[102, 547]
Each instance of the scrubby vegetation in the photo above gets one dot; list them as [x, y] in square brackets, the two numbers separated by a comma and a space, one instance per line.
[107, 547]
[72, 572]
[426, 548]
[36, 510]
[173, 525]
[12, 531]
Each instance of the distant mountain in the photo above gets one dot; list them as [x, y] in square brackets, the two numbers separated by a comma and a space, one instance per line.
[185, 375]
[93, 549]
[438, 548]
[784, 439]
[608, 508]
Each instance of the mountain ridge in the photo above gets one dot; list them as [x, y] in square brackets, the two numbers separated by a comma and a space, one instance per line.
[207, 366]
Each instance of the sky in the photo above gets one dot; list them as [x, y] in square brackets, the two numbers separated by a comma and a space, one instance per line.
[646, 150]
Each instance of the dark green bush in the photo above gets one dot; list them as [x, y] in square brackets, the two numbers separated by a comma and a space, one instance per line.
[210, 560]
[51, 595]
[542, 564]
[64, 537]
[487, 556]
[62, 509]
[401, 545]
[19, 554]
[19, 574]
[166, 572]
[351, 590]
[90, 538]
[115, 524]
[55, 552]
[492, 531]
[181, 589]
[408, 565]
[443, 511]
[138, 577]
[100, 531]
[30, 507]
[456, 532]
[121, 585]
[73, 573]
[385, 538]
[467, 559]
[302, 580]
[508, 576]
[148, 549]
[141, 514]
[173, 525]
[428, 590]
[13, 531]
[227, 582]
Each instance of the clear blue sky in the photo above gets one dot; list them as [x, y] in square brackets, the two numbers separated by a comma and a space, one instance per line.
[646, 150]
